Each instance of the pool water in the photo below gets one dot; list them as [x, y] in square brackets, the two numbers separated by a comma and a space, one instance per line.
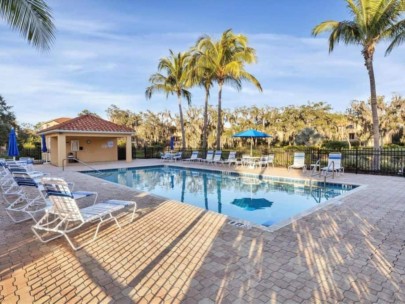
[258, 199]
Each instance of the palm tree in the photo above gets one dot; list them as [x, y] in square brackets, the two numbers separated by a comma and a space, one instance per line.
[373, 21]
[202, 74]
[32, 18]
[227, 58]
[173, 83]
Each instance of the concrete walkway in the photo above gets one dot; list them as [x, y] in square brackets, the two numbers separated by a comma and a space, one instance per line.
[176, 253]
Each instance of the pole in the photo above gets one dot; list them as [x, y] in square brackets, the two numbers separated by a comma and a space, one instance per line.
[251, 146]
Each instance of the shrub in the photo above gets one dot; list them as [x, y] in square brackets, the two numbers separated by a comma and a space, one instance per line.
[335, 144]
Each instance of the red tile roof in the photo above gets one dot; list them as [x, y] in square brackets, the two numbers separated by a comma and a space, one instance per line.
[89, 123]
[60, 119]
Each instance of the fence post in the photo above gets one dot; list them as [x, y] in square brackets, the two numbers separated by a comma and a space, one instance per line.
[288, 158]
[357, 158]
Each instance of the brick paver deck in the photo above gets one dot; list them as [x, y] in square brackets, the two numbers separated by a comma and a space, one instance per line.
[177, 253]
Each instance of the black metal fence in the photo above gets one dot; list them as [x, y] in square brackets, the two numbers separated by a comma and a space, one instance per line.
[33, 153]
[359, 160]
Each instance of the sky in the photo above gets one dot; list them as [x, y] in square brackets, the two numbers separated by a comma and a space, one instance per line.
[105, 51]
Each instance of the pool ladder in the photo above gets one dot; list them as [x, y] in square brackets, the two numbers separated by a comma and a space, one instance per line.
[315, 172]
[83, 163]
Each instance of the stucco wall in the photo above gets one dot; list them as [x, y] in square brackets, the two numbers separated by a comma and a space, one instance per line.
[54, 151]
[95, 149]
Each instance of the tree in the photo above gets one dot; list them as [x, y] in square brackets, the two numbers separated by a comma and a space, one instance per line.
[32, 18]
[174, 82]
[87, 112]
[308, 137]
[202, 74]
[374, 21]
[7, 121]
[227, 57]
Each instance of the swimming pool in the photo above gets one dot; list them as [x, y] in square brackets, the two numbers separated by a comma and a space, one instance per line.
[258, 199]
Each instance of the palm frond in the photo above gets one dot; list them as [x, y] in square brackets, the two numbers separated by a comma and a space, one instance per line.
[250, 78]
[344, 30]
[325, 26]
[397, 34]
[187, 95]
[32, 18]
[236, 83]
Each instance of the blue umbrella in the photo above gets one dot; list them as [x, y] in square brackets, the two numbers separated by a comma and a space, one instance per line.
[251, 204]
[251, 134]
[44, 148]
[172, 143]
[12, 144]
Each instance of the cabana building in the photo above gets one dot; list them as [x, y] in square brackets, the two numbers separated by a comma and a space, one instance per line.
[88, 138]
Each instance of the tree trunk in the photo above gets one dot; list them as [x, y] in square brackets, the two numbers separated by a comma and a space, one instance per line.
[368, 56]
[374, 110]
[183, 132]
[205, 131]
[219, 123]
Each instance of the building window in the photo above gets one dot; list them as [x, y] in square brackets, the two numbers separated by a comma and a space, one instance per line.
[351, 136]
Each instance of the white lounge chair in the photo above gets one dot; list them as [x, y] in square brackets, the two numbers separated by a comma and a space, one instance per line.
[65, 216]
[28, 162]
[299, 161]
[193, 157]
[216, 158]
[334, 165]
[209, 156]
[231, 159]
[166, 156]
[30, 199]
[177, 156]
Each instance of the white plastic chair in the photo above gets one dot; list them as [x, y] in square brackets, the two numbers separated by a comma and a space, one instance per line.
[193, 157]
[299, 161]
[334, 165]
[209, 157]
[216, 158]
[231, 159]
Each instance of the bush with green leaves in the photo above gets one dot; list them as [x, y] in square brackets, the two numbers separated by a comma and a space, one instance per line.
[335, 144]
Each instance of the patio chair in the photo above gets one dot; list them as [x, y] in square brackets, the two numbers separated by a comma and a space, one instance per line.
[299, 161]
[334, 165]
[66, 216]
[270, 160]
[27, 202]
[30, 199]
[166, 156]
[27, 161]
[177, 156]
[193, 157]
[231, 159]
[216, 158]
[263, 161]
[244, 161]
[209, 156]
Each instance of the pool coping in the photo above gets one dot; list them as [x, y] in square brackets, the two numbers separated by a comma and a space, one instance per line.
[237, 222]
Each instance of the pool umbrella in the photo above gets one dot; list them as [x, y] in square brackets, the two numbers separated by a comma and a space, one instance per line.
[44, 148]
[12, 144]
[251, 134]
[172, 143]
[252, 204]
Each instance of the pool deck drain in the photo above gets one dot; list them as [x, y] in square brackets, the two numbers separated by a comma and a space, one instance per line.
[177, 253]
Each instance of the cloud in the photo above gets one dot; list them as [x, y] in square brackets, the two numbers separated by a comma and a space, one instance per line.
[97, 62]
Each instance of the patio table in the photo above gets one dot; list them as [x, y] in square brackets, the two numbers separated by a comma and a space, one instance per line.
[250, 160]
